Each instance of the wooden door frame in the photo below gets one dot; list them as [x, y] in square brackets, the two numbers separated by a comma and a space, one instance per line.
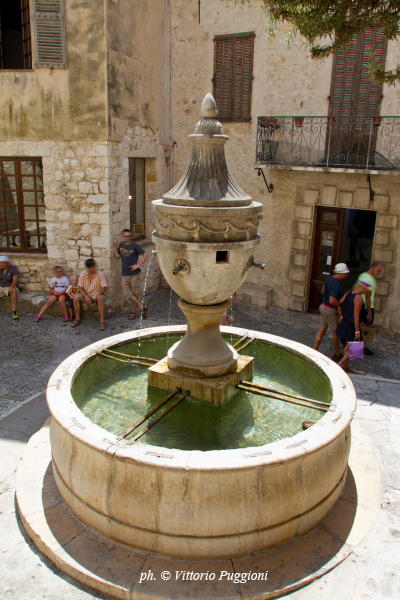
[339, 227]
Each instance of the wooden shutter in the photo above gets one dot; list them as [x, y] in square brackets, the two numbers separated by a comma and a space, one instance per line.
[222, 77]
[233, 75]
[353, 94]
[369, 96]
[50, 39]
[343, 76]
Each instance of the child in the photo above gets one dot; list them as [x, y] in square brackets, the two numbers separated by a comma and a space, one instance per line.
[58, 289]
[71, 291]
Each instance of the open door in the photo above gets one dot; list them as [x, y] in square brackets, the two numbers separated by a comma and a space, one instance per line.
[327, 250]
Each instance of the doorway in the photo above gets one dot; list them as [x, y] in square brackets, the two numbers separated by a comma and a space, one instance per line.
[341, 235]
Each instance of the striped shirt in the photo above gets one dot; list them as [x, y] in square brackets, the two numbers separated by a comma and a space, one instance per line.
[92, 286]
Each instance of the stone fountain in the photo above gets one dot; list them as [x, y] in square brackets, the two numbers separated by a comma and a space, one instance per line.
[186, 503]
[206, 235]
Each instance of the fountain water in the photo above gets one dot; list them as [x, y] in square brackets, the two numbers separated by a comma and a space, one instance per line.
[228, 471]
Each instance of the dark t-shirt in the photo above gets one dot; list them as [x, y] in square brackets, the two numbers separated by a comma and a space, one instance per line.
[331, 288]
[7, 277]
[129, 256]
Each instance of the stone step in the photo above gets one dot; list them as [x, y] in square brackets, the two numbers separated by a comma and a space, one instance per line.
[32, 302]
[256, 295]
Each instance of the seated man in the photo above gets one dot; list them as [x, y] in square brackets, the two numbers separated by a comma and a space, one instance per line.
[91, 286]
[8, 283]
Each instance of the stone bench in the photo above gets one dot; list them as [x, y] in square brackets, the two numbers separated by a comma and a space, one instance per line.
[255, 295]
[32, 302]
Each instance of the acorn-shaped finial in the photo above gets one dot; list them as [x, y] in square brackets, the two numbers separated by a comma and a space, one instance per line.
[209, 107]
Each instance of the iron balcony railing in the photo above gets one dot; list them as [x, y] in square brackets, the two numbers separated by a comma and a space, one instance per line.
[334, 142]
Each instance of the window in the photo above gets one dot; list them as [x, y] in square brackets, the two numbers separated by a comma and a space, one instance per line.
[22, 210]
[137, 196]
[15, 35]
[353, 94]
[233, 76]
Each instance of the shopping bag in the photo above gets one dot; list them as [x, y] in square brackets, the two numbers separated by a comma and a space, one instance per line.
[356, 350]
[368, 332]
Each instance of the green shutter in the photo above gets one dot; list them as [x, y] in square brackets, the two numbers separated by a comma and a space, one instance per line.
[50, 38]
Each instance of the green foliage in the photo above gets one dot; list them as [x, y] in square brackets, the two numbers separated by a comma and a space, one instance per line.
[327, 26]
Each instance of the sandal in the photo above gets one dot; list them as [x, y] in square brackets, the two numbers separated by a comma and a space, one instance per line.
[66, 319]
[102, 326]
[37, 319]
[144, 311]
[349, 370]
[76, 323]
[70, 318]
[132, 316]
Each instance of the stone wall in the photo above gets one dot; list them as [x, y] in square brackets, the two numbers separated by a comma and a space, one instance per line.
[56, 104]
[311, 189]
[86, 199]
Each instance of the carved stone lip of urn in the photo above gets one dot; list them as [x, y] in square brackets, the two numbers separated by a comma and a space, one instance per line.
[206, 234]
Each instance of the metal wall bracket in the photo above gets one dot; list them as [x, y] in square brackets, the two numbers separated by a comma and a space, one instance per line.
[260, 171]
[371, 191]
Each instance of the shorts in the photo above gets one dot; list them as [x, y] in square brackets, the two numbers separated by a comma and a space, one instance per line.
[4, 291]
[70, 303]
[81, 298]
[329, 317]
[130, 286]
[63, 294]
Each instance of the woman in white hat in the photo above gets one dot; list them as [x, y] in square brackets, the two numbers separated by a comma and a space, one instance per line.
[331, 295]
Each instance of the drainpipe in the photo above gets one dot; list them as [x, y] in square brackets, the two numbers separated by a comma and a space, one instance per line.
[174, 144]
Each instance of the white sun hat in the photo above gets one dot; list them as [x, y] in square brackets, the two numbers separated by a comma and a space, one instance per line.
[341, 268]
[4, 258]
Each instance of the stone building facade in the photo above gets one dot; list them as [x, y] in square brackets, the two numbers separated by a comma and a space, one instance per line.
[285, 82]
[135, 76]
[85, 122]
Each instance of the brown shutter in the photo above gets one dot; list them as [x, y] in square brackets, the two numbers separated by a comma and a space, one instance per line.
[353, 94]
[50, 42]
[369, 95]
[223, 77]
[242, 79]
[233, 66]
[344, 72]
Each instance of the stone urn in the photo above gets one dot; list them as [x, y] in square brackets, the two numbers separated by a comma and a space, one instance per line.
[206, 234]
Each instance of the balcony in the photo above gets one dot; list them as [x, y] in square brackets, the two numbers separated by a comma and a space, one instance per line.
[371, 143]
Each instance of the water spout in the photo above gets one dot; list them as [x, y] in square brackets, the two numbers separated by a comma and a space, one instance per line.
[259, 265]
[177, 270]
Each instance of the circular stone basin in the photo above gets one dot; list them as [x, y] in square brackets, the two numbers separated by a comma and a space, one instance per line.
[207, 482]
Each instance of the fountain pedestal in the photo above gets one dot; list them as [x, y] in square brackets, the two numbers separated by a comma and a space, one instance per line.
[202, 339]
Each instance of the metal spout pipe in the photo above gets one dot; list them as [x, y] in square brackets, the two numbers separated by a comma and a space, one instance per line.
[259, 265]
[177, 270]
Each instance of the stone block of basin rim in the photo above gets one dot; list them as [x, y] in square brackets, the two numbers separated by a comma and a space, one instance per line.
[215, 390]
[255, 294]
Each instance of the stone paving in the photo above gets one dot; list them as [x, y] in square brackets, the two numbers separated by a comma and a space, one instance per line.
[33, 350]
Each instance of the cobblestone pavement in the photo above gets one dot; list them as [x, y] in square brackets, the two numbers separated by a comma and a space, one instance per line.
[30, 352]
